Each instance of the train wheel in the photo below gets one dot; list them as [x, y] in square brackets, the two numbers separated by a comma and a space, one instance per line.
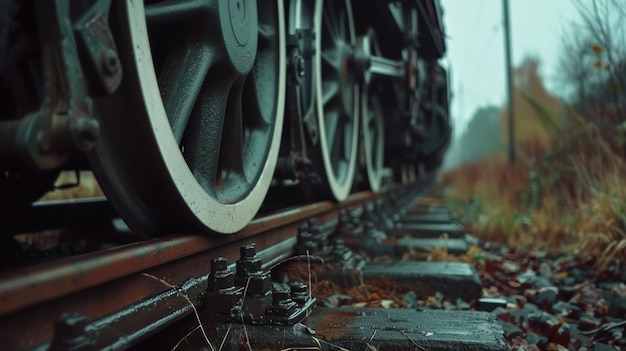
[373, 138]
[337, 94]
[372, 122]
[191, 139]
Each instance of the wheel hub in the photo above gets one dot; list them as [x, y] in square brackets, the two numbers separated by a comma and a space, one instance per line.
[239, 27]
[239, 21]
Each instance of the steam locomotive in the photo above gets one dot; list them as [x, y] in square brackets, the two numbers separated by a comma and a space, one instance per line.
[189, 111]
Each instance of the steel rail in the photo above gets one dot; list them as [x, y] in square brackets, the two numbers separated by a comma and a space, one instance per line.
[32, 285]
[132, 291]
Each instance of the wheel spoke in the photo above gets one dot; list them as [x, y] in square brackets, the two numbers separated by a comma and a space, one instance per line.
[255, 115]
[330, 20]
[256, 92]
[338, 143]
[169, 11]
[181, 80]
[347, 137]
[373, 138]
[330, 58]
[333, 129]
[343, 28]
[267, 36]
[331, 92]
[231, 152]
[203, 136]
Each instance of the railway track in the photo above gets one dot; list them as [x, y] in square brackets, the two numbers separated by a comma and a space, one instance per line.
[158, 292]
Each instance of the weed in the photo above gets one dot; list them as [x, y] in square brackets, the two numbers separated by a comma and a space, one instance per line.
[572, 191]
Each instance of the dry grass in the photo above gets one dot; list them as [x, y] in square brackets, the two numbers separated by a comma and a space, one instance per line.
[572, 192]
[568, 187]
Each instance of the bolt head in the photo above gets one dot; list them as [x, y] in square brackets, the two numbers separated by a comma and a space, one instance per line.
[301, 66]
[85, 131]
[298, 288]
[247, 266]
[223, 302]
[219, 264]
[220, 281]
[282, 304]
[257, 284]
[109, 61]
[247, 251]
[281, 295]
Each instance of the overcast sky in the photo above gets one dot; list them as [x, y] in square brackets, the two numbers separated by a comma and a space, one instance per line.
[476, 48]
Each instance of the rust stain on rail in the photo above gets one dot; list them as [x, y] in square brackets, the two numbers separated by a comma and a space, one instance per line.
[153, 286]
[33, 285]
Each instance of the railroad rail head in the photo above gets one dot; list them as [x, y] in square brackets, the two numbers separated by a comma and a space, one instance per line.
[114, 298]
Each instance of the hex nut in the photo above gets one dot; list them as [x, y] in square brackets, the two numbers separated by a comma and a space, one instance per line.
[281, 296]
[221, 278]
[282, 304]
[257, 284]
[225, 302]
[298, 288]
[248, 266]
[247, 251]
[299, 293]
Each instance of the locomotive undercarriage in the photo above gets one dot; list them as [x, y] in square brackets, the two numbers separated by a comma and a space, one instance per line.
[189, 111]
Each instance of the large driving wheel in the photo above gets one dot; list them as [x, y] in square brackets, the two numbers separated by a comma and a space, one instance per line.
[191, 139]
[373, 138]
[337, 95]
[372, 121]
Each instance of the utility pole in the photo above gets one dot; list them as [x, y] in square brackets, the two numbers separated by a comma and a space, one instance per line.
[462, 105]
[509, 82]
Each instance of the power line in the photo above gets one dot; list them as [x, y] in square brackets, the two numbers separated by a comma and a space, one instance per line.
[485, 51]
[476, 23]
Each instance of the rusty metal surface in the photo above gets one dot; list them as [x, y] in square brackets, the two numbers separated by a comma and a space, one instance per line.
[29, 286]
[123, 292]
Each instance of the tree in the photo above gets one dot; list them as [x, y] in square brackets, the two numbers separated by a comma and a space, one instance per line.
[537, 112]
[481, 138]
[594, 56]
